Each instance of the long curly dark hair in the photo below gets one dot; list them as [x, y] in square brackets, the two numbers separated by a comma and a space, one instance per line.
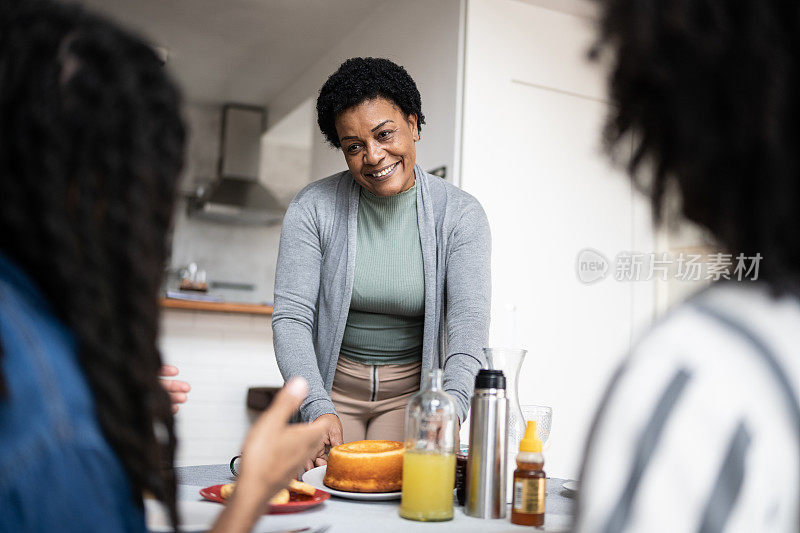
[362, 78]
[707, 91]
[91, 145]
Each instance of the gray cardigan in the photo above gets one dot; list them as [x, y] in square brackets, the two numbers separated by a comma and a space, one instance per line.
[314, 282]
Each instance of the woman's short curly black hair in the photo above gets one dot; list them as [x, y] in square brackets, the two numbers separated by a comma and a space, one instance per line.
[708, 94]
[363, 78]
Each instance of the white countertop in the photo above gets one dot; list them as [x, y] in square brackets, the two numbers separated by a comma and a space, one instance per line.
[349, 516]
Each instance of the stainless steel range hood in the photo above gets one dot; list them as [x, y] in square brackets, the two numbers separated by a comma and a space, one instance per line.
[236, 196]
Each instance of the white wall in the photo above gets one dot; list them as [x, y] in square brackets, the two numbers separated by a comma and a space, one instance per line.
[533, 108]
[221, 355]
[421, 35]
[286, 152]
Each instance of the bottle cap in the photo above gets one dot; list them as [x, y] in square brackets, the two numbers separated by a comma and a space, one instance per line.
[490, 379]
[530, 442]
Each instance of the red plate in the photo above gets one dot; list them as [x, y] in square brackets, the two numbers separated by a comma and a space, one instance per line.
[297, 502]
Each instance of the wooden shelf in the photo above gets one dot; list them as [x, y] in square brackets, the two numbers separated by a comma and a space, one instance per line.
[218, 307]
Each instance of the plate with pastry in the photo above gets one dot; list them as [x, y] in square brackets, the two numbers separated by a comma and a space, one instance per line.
[298, 496]
[361, 470]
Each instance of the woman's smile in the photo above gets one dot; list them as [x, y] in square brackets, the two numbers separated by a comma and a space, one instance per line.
[377, 140]
[384, 173]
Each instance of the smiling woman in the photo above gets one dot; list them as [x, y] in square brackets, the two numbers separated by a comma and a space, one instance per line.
[371, 258]
[372, 110]
[378, 145]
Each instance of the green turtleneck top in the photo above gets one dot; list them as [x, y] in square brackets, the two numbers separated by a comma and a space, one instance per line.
[384, 325]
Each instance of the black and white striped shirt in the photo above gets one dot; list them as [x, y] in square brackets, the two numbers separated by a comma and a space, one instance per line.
[700, 429]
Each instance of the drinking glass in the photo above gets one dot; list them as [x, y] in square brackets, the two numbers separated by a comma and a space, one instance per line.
[510, 360]
[543, 415]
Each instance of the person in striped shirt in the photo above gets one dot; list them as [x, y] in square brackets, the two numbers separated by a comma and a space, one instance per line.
[700, 428]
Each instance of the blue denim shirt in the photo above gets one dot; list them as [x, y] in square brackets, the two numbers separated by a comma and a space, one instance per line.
[57, 472]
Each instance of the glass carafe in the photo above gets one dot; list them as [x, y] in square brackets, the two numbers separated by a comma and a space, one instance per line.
[429, 462]
[509, 360]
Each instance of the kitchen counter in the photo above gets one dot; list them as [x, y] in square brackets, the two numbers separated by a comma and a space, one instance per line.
[218, 307]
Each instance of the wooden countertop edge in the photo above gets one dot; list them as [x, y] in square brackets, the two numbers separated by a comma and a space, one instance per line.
[219, 307]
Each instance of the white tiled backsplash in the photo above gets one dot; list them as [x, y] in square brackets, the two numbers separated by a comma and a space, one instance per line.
[221, 355]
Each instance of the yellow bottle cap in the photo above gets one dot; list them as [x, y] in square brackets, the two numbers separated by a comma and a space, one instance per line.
[530, 442]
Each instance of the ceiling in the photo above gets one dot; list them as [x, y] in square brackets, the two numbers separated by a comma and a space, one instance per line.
[242, 51]
[581, 8]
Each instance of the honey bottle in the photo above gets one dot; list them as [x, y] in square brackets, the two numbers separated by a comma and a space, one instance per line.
[527, 508]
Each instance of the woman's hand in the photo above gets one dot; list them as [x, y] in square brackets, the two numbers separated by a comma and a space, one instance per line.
[177, 389]
[332, 438]
[272, 453]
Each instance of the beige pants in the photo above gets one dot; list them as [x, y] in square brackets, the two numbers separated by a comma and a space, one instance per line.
[371, 399]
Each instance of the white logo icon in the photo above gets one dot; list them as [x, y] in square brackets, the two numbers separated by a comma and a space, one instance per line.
[591, 266]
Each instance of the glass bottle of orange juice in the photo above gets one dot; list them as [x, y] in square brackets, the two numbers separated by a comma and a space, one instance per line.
[429, 462]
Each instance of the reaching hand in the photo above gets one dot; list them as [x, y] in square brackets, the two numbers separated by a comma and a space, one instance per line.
[177, 389]
[272, 453]
[332, 438]
[274, 450]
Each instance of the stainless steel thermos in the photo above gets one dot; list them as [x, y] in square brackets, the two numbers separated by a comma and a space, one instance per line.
[488, 443]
